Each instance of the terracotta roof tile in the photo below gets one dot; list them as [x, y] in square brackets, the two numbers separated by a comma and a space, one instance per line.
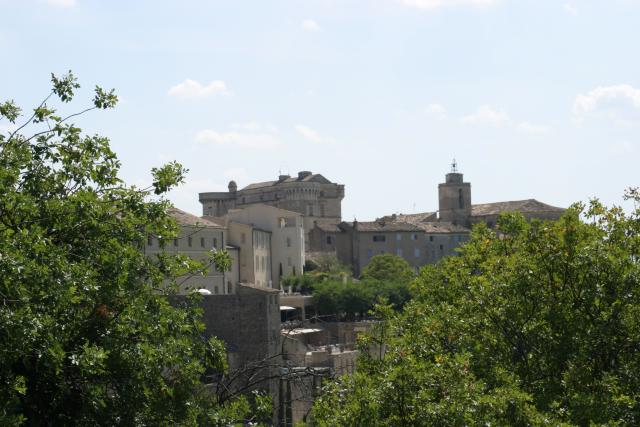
[442, 227]
[388, 226]
[524, 206]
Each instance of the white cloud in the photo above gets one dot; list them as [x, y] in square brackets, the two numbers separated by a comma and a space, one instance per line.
[437, 4]
[310, 25]
[194, 89]
[487, 115]
[310, 134]
[527, 127]
[61, 3]
[622, 148]
[255, 127]
[570, 8]
[618, 102]
[249, 139]
[437, 111]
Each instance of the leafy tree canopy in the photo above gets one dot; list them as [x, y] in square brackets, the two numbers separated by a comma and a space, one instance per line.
[533, 324]
[388, 268]
[87, 335]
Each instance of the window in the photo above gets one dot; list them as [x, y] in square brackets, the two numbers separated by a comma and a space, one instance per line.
[215, 242]
[416, 252]
[262, 265]
[369, 253]
[189, 241]
[289, 261]
[310, 210]
[215, 290]
[202, 242]
[379, 238]
[431, 238]
[257, 267]
[288, 242]
[150, 240]
[399, 251]
[329, 240]
[175, 242]
[398, 236]
[243, 238]
[414, 236]
[460, 199]
[441, 247]
[321, 210]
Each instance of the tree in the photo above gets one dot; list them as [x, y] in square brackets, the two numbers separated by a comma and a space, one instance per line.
[87, 334]
[533, 324]
[388, 268]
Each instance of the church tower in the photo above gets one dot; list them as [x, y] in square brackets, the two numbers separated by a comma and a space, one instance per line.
[455, 198]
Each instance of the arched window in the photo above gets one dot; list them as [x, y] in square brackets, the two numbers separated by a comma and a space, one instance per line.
[460, 199]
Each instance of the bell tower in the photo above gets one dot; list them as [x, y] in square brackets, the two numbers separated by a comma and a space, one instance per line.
[455, 198]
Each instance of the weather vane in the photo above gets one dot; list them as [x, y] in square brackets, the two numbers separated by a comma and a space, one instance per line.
[454, 166]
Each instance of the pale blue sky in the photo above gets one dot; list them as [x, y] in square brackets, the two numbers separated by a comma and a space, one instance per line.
[535, 99]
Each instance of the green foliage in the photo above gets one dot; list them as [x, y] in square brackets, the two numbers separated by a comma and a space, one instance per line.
[87, 334]
[388, 267]
[533, 324]
[352, 300]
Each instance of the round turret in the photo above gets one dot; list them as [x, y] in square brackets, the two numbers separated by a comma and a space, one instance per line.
[233, 187]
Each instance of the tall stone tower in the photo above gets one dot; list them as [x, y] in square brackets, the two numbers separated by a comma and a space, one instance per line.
[455, 198]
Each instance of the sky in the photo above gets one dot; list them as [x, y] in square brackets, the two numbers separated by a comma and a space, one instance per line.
[533, 98]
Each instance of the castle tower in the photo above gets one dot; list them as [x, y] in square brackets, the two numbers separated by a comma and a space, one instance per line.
[455, 198]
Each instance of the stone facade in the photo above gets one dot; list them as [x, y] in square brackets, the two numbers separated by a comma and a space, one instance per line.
[358, 242]
[421, 238]
[283, 251]
[249, 324]
[311, 195]
[247, 321]
[197, 238]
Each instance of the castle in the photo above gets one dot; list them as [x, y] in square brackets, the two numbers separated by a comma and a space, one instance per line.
[420, 238]
[312, 195]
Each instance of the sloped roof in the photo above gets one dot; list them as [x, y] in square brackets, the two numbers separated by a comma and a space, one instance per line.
[185, 218]
[259, 185]
[524, 206]
[427, 222]
[415, 218]
[385, 226]
[328, 226]
[315, 177]
[442, 227]
[254, 206]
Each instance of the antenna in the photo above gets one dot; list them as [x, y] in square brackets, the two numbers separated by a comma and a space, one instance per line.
[454, 166]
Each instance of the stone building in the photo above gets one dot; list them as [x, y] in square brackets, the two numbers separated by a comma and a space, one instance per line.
[273, 237]
[254, 253]
[421, 238]
[197, 237]
[418, 244]
[311, 195]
